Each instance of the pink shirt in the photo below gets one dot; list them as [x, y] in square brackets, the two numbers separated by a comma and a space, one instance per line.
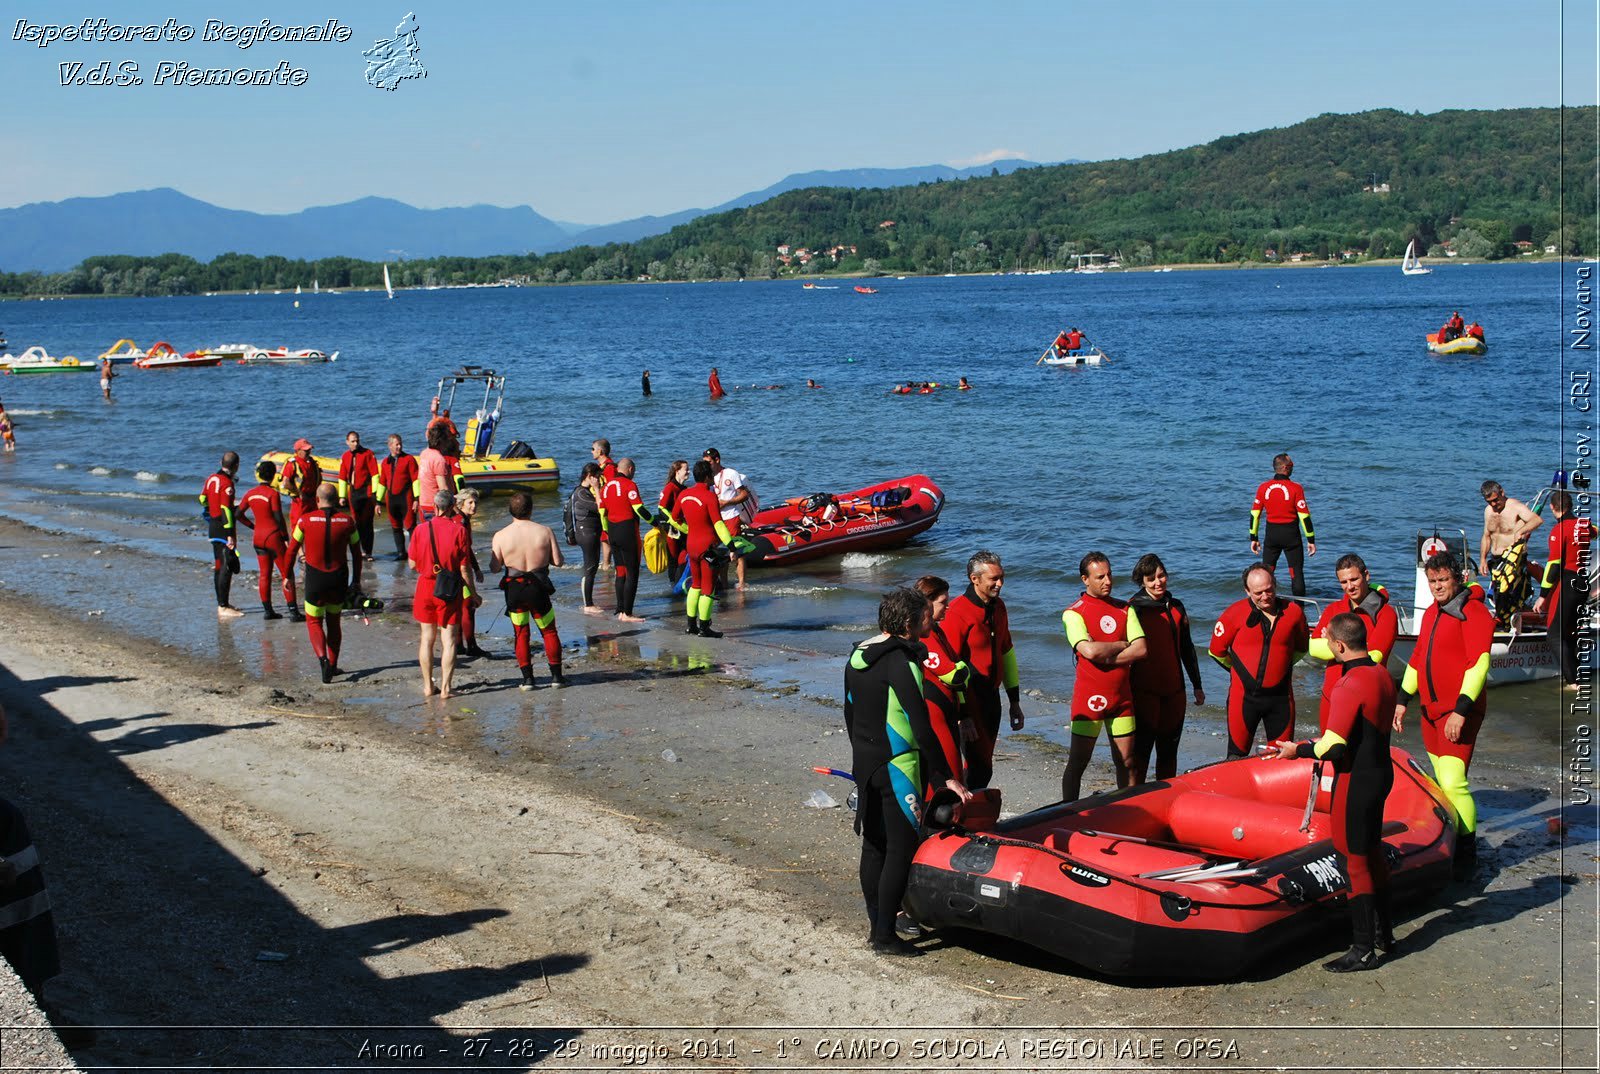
[433, 474]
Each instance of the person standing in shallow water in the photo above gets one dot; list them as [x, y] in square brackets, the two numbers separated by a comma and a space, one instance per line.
[644, 383]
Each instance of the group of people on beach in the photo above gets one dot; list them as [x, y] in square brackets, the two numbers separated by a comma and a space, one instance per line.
[922, 698]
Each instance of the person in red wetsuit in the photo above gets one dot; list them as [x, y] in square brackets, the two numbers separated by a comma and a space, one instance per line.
[299, 480]
[622, 510]
[678, 478]
[358, 486]
[1356, 741]
[217, 494]
[1475, 330]
[1454, 326]
[326, 537]
[1284, 503]
[1448, 674]
[1105, 640]
[944, 678]
[1367, 602]
[1259, 639]
[700, 514]
[714, 384]
[397, 489]
[1158, 702]
[600, 452]
[262, 510]
[438, 546]
[466, 511]
[1564, 590]
[980, 634]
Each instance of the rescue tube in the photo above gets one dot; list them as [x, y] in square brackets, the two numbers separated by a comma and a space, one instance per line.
[884, 515]
[1197, 876]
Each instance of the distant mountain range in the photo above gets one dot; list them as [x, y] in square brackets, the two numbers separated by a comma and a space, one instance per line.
[54, 236]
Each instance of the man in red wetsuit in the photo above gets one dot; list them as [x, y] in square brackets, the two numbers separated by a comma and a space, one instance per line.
[700, 516]
[325, 537]
[397, 489]
[600, 452]
[1105, 640]
[1367, 602]
[1449, 674]
[980, 634]
[1454, 326]
[262, 510]
[218, 497]
[299, 480]
[1564, 590]
[1259, 639]
[622, 510]
[1284, 503]
[1356, 741]
[714, 383]
[358, 486]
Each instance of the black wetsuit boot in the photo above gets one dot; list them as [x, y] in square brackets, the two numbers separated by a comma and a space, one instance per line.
[1362, 955]
[527, 678]
[1466, 862]
[1385, 938]
[705, 630]
[268, 613]
[557, 676]
[694, 626]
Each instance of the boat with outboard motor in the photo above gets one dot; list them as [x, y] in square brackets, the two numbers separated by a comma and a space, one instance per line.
[1521, 650]
[1198, 876]
[517, 469]
[884, 515]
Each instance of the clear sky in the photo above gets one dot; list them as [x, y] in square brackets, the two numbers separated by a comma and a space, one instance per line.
[593, 113]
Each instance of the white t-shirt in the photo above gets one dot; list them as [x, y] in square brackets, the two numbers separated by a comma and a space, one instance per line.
[728, 482]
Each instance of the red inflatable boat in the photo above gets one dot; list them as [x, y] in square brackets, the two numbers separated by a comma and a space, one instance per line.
[1197, 876]
[884, 515]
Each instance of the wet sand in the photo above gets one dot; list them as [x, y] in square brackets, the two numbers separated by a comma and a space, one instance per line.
[510, 860]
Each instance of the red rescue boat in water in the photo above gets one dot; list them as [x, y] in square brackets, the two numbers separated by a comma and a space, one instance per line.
[1197, 876]
[884, 515]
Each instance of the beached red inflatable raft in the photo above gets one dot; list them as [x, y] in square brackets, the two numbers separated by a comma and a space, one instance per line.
[884, 515]
[1198, 876]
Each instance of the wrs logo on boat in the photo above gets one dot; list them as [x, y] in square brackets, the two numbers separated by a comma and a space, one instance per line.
[1087, 877]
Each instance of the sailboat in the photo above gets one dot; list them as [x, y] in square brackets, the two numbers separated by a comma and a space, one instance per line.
[387, 286]
[314, 288]
[297, 289]
[1412, 265]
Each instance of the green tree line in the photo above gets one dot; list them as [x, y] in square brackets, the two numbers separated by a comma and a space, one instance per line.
[1362, 185]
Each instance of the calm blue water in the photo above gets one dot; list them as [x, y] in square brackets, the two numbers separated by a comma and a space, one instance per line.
[1214, 373]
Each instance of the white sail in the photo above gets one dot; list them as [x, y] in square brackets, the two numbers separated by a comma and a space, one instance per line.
[297, 289]
[1412, 265]
[387, 286]
[314, 288]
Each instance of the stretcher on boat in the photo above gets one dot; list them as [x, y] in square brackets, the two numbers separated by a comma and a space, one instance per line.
[884, 515]
[1198, 876]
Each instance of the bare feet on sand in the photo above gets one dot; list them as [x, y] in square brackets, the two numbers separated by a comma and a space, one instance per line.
[590, 609]
[228, 611]
[428, 689]
[630, 618]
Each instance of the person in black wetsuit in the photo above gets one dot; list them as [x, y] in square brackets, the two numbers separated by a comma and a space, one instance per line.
[584, 508]
[1356, 741]
[895, 756]
[644, 383]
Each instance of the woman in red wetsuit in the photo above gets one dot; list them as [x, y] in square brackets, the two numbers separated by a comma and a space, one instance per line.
[466, 508]
[677, 479]
[1158, 702]
[944, 678]
[700, 512]
[714, 383]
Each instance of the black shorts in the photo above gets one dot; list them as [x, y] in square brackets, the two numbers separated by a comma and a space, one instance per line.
[326, 589]
[527, 593]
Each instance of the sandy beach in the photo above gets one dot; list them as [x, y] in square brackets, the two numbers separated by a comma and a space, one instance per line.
[231, 844]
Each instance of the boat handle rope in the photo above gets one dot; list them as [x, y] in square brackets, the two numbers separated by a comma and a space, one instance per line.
[1185, 901]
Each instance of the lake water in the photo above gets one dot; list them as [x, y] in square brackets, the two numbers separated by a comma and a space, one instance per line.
[1213, 373]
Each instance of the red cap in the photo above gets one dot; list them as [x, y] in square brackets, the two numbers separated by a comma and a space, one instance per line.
[302, 444]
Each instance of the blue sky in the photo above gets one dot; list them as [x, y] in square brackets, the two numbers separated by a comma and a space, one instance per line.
[597, 112]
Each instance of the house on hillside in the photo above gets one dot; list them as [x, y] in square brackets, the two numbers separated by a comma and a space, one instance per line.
[1524, 247]
[886, 223]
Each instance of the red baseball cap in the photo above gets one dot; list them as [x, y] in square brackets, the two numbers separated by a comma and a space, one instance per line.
[302, 444]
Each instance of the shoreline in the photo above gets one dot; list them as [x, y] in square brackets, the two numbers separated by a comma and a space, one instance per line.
[1386, 262]
[477, 844]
